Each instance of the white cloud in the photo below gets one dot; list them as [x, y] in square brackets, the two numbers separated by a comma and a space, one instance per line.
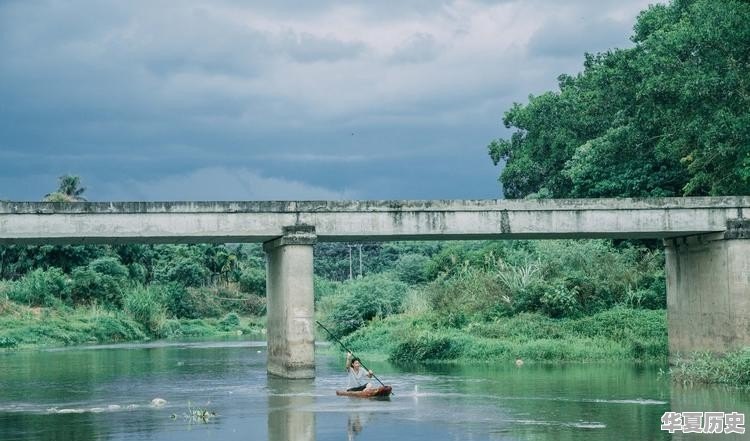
[218, 183]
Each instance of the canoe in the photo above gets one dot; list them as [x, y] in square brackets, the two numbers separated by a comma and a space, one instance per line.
[383, 391]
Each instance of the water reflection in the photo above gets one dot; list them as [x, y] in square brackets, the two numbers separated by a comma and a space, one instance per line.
[709, 399]
[105, 393]
[290, 409]
[355, 424]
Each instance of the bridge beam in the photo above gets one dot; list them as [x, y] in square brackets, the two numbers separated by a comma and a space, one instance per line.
[290, 311]
[708, 290]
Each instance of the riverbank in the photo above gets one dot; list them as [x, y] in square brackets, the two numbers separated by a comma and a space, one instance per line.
[25, 327]
[732, 368]
[616, 334]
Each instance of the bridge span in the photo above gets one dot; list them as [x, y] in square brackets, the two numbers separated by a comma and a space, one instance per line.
[707, 242]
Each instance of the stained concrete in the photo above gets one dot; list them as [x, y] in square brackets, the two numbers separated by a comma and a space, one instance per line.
[708, 291]
[261, 221]
[290, 309]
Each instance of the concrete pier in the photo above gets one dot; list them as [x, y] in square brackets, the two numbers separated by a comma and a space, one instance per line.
[708, 290]
[289, 290]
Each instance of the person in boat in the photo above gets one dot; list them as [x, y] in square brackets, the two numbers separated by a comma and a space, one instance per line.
[358, 376]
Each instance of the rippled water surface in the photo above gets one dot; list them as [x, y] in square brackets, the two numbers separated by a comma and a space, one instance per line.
[107, 393]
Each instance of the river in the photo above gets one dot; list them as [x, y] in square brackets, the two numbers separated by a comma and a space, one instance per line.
[107, 392]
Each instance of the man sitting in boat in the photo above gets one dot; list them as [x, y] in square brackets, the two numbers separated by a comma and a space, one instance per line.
[357, 374]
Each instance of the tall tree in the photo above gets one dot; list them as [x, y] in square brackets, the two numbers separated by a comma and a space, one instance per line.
[668, 117]
[68, 190]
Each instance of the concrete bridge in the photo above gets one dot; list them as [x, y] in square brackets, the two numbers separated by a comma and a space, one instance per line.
[707, 244]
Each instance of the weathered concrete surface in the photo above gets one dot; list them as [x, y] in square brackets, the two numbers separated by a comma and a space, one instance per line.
[261, 221]
[290, 310]
[708, 291]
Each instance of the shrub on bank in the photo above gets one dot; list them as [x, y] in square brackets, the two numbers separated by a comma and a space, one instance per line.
[145, 306]
[619, 333]
[102, 281]
[253, 281]
[360, 300]
[41, 288]
[732, 368]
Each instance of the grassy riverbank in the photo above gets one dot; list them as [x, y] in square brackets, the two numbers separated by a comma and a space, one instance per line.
[25, 327]
[704, 368]
[616, 334]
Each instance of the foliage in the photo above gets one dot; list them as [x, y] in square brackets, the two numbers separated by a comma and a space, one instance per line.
[667, 117]
[703, 367]
[360, 300]
[186, 270]
[412, 268]
[102, 280]
[68, 190]
[230, 322]
[619, 333]
[41, 288]
[427, 346]
[332, 260]
[253, 280]
[7, 342]
[560, 301]
[145, 306]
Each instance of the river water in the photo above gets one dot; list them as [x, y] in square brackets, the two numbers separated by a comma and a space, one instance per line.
[106, 393]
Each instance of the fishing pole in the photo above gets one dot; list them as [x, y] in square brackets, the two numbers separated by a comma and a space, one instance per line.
[347, 350]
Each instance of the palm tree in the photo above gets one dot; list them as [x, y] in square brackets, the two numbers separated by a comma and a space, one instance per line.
[68, 190]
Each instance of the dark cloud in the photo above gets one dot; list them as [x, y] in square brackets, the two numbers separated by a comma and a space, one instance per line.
[334, 98]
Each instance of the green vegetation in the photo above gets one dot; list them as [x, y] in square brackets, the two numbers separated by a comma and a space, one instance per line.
[732, 368]
[617, 334]
[25, 327]
[667, 117]
[62, 295]
[492, 301]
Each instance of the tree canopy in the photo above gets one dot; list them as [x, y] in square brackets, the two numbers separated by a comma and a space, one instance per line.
[667, 117]
[68, 190]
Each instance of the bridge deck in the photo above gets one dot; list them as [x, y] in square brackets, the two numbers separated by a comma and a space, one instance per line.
[260, 221]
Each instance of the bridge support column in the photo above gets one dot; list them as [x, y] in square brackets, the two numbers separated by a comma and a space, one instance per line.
[708, 290]
[289, 292]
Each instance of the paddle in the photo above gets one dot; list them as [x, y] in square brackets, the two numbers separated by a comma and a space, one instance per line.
[347, 350]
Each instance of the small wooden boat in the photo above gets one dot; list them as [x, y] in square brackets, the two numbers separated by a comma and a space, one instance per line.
[383, 391]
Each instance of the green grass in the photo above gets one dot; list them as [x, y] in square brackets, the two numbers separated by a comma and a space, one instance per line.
[24, 327]
[733, 368]
[616, 334]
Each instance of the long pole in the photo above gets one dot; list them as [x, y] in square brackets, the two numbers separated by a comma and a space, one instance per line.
[347, 350]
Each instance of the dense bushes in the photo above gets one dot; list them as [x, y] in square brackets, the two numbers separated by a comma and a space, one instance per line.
[619, 333]
[146, 307]
[558, 278]
[732, 368]
[360, 300]
[253, 280]
[103, 280]
[41, 288]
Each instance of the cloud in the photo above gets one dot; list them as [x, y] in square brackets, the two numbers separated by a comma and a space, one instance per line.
[573, 37]
[418, 48]
[308, 48]
[296, 89]
[219, 183]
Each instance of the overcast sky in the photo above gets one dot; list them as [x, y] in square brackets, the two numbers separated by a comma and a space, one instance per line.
[244, 100]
